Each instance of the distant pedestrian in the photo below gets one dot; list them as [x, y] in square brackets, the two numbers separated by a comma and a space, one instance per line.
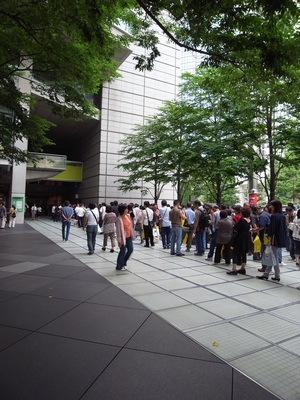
[2, 215]
[33, 212]
[66, 216]
[12, 216]
[91, 220]
[109, 228]
[125, 237]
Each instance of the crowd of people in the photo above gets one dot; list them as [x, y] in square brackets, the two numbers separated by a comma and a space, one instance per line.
[229, 233]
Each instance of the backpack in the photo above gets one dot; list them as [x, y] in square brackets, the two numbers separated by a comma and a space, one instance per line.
[204, 220]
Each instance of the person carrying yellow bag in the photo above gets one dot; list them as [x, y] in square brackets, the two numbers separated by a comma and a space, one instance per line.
[263, 228]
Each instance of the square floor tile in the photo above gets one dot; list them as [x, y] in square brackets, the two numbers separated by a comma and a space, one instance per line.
[197, 294]
[184, 376]
[32, 312]
[291, 345]
[230, 289]
[227, 341]
[173, 284]
[204, 279]
[49, 367]
[98, 323]
[157, 336]
[275, 369]
[160, 301]
[187, 317]
[285, 293]
[137, 289]
[227, 308]
[24, 283]
[184, 272]
[289, 312]
[153, 275]
[262, 300]
[22, 267]
[9, 335]
[268, 326]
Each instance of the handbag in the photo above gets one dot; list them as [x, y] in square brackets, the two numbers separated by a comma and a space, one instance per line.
[138, 226]
[186, 225]
[151, 223]
[161, 220]
[268, 257]
[232, 241]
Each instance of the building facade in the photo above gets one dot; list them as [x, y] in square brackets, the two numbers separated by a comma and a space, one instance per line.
[94, 143]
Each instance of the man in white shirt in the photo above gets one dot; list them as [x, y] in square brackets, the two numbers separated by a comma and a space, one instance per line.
[148, 223]
[91, 220]
[79, 211]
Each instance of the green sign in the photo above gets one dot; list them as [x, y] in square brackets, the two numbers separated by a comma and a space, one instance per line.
[18, 202]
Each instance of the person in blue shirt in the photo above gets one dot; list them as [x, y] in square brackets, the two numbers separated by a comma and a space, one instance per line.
[66, 216]
[190, 216]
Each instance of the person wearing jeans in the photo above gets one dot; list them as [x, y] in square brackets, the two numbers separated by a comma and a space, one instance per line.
[125, 236]
[66, 215]
[165, 231]
[176, 216]
[277, 238]
[91, 220]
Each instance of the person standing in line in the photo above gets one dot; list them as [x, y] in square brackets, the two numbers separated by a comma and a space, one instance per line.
[148, 223]
[66, 215]
[102, 211]
[240, 246]
[125, 237]
[165, 224]
[33, 211]
[91, 220]
[190, 215]
[296, 237]
[224, 234]
[109, 228]
[277, 238]
[138, 222]
[215, 218]
[79, 211]
[176, 216]
[198, 231]
[2, 215]
[12, 217]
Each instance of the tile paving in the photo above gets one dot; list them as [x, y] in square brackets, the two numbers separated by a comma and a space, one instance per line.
[251, 327]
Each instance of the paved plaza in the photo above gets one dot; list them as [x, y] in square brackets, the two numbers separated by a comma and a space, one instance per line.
[72, 327]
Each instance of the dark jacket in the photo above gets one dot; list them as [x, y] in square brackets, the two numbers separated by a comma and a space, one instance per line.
[277, 230]
[224, 227]
[241, 231]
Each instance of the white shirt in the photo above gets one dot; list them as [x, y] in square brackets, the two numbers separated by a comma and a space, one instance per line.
[91, 220]
[79, 211]
[145, 216]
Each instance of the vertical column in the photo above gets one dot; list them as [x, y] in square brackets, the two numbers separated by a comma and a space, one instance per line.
[18, 183]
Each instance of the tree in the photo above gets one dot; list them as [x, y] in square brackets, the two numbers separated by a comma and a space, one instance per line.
[69, 47]
[142, 160]
[260, 33]
[157, 154]
[217, 138]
